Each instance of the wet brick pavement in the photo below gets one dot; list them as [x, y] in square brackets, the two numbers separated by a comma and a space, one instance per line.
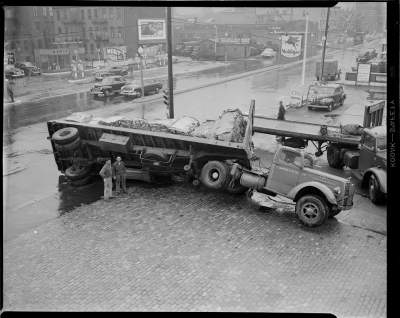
[180, 248]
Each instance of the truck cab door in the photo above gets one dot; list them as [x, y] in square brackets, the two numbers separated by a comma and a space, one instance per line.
[367, 152]
[285, 171]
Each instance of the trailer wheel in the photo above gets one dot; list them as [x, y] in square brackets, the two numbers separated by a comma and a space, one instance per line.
[311, 210]
[214, 174]
[333, 155]
[76, 173]
[65, 135]
[375, 194]
[70, 146]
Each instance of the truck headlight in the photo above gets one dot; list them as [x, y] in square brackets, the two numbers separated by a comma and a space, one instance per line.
[337, 190]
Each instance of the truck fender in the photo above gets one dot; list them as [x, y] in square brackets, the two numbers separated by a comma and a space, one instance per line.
[380, 174]
[320, 187]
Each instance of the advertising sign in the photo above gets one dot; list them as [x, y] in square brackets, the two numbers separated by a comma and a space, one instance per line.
[363, 72]
[115, 53]
[291, 45]
[152, 29]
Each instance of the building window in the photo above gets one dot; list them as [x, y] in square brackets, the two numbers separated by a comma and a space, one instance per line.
[83, 14]
[51, 11]
[112, 31]
[89, 13]
[58, 15]
[110, 11]
[35, 12]
[65, 15]
[95, 13]
[44, 11]
[104, 12]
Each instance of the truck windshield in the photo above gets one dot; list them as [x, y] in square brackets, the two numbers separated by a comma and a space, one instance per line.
[381, 144]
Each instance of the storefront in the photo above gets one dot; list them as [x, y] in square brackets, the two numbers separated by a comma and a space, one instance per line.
[51, 60]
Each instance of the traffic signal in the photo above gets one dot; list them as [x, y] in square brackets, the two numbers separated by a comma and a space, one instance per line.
[166, 97]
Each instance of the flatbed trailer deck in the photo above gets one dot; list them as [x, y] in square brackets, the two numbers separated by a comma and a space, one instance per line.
[307, 131]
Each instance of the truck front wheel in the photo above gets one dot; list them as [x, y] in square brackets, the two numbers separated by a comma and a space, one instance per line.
[375, 194]
[311, 210]
[214, 174]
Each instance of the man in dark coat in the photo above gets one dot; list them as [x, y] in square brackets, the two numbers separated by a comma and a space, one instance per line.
[281, 111]
[119, 173]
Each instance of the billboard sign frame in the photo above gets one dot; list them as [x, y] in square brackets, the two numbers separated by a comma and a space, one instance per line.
[152, 29]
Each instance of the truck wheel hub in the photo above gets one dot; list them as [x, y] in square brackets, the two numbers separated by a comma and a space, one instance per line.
[310, 210]
[214, 175]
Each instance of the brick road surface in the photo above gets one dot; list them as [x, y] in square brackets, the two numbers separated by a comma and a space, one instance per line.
[180, 248]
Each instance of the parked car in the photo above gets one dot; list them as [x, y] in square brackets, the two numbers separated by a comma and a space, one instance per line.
[366, 56]
[28, 67]
[119, 70]
[11, 71]
[109, 86]
[327, 96]
[268, 52]
[99, 76]
[134, 89]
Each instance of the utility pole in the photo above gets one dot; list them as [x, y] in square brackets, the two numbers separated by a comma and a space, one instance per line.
[215, 42]
[170, 77]
[303, 74]
[140, 53]
[324, 47]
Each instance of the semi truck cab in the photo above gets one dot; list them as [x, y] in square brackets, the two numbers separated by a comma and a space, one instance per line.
[370, 162]
[318, 195]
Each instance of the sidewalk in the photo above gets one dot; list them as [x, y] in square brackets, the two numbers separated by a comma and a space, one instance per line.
[51, 86]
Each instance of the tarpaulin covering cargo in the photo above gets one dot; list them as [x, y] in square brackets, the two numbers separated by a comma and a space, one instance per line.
[230, 126]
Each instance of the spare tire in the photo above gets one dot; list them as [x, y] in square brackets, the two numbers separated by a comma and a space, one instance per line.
[65, 135]
[214, 174]
[76, 173]
[333, 156]
[70, 146]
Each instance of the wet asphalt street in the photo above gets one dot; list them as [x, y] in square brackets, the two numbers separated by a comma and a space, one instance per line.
[33, 172]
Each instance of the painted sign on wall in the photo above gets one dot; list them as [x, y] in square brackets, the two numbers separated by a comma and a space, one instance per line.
[291, 45]
[152, 29]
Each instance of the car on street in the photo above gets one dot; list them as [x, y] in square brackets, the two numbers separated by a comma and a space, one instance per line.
[11, 71]
[119, 70]
[108, 86]
[28, 68]
[268, 52]
[134, 89]
[328, 96]
[366, 56]
[99, 76]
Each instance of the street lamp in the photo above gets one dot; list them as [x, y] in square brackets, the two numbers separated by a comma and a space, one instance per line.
[305, 51]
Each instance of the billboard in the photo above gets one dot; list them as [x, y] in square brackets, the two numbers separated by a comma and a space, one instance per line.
[152, 29]
[291, 45]
[115, 53]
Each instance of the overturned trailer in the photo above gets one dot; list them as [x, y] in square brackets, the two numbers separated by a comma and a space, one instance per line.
[80, 149]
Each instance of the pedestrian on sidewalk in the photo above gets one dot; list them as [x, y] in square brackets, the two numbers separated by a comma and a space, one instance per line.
[10, 89]
[119, 173]
[106, 174]
[281, 111]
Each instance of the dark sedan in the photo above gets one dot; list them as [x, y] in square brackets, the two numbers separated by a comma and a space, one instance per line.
[134, 89]
[108, 86]
[28, 68]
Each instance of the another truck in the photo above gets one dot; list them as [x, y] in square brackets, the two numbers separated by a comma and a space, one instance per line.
[363, 151]
[331, 71]
[80, 150]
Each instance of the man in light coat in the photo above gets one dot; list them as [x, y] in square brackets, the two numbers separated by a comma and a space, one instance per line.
[106, 174]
